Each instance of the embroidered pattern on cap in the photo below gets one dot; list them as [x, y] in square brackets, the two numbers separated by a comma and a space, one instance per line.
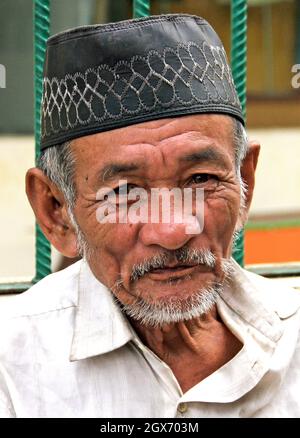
[183, 76]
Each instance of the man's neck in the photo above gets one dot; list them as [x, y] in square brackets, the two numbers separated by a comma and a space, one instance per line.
[193, 349]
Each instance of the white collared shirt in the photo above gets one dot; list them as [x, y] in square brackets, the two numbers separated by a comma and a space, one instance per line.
[66, 350]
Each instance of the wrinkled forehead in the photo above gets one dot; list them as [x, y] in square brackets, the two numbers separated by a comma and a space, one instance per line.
[170, 139]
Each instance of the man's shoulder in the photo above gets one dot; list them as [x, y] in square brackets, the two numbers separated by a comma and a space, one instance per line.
[55, 292]
[275, 295]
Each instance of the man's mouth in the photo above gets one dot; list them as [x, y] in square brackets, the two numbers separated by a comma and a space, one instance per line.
[170, 272]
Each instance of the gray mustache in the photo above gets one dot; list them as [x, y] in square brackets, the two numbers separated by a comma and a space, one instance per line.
[181, 255]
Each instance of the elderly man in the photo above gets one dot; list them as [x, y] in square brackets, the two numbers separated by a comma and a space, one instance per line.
[156, 320]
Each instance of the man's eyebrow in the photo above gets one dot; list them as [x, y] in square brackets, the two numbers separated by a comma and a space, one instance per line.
[208, 154]
[110, 171]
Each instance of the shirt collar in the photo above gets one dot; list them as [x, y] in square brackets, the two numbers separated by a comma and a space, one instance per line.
[100, 325]
[259, 302]
[245, 298]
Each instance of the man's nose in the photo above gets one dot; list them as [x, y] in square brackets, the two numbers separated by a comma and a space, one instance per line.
[169, 236]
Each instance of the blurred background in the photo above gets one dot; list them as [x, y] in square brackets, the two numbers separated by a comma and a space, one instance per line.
[273, 117]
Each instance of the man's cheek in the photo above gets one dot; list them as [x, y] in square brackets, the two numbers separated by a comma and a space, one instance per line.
[220, 219]
[120, 238]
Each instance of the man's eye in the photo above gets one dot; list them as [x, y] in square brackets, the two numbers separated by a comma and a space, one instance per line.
[201, 178]
[120, 193]
[124, 190]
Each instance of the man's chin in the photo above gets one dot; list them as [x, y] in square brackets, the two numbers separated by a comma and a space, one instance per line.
[150, 310]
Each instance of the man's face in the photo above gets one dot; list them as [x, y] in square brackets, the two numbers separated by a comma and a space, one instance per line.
[194, 151]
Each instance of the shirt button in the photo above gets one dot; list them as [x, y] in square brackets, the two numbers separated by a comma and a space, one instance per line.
[182, 408]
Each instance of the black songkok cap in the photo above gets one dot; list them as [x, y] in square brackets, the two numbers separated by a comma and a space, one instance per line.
[102, 77]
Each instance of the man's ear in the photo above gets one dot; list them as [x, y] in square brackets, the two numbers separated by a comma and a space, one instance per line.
[248, 170]
[51, 212]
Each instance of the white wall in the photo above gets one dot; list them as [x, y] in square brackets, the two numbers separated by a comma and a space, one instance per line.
[278, 172]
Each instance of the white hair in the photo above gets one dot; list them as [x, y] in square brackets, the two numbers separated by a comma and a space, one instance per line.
[241, 146]
[58, 164]
[158, 313]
